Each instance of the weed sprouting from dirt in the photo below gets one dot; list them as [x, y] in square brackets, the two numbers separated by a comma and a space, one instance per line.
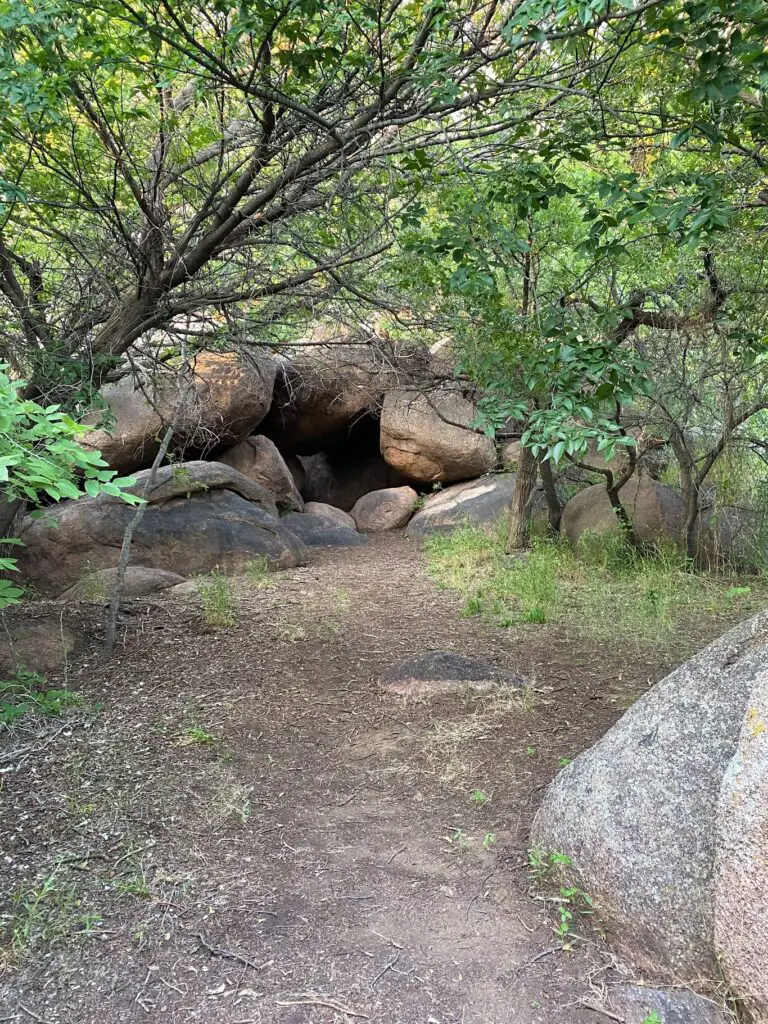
[93, 587]
[196, 734]
[43, 913]
[605, 591]
[24, 693]
[571, 902]
[216, 596]
[259, 574]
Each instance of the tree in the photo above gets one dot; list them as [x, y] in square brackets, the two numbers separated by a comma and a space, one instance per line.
[562, 267]
[163, 157]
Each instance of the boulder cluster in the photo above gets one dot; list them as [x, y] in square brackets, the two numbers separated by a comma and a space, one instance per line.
[271, 455]
[268, 456]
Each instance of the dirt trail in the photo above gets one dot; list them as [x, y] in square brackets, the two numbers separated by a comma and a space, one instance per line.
[249, 829]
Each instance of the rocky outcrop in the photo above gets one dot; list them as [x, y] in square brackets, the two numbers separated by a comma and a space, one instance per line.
[218, 401]
[200, 515]
[131, 435]
[476, 502]
[637, 1004]
[637, 813]
[317, 532]
[139, 581]
[741, 862]
[340, 478]
[426, 437]
[257, 458]
[329, 513]
[322, 388]
[387, 509]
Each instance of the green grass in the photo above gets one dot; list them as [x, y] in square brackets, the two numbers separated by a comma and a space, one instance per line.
[197, 734]
[259, 573]
[605, 591]
[24, 693]
[216, 597]
[44, 913]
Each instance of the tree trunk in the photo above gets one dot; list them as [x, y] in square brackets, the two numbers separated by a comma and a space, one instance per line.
[627, 529]
[110, 632]
[9, 510]
[691, 521]
[554, 508]
[689, 492]
[522, 499]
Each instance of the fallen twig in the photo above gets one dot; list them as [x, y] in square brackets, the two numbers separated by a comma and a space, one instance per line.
[601, 1009]
[306, 999]
[228, 954]
[539, 956]
[385, 968]
[32, 1014]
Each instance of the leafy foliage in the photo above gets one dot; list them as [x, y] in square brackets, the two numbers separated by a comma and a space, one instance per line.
[40, 458]
[25, 692]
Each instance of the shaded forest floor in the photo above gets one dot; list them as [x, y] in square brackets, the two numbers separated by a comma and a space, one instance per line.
[240, 825]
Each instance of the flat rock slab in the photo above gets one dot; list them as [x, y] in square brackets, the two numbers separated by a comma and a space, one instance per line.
[140, 580]
[476, 502]
[321, 533]
[442, 671]
[634, 1004]
[45, 645]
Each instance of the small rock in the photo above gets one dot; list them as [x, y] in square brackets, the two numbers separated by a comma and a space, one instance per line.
[140, 580]
[387, 509]
[45, 645]
[477, 502]
[330, 513]
[257, 458]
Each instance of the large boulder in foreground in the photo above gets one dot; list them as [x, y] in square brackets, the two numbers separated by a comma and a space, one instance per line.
[200, 515]
[387, 509]
[741, 861]
[476, 502]
[257, 458]
[637, 1004]
[637, 813]
[655, 510]
[219, 400]
[426, 436]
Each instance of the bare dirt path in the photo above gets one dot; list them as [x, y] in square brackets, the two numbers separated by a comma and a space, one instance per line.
[249, 829]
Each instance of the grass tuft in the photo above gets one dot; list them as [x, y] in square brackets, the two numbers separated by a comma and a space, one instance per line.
[44, 913]
[216, 597]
